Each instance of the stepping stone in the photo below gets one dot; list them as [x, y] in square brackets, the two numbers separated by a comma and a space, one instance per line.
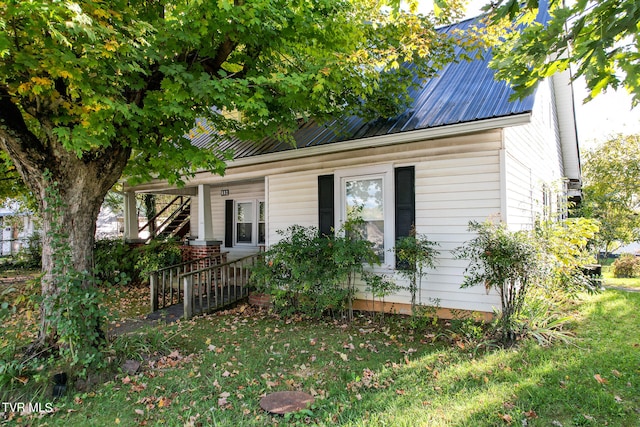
[283, 402]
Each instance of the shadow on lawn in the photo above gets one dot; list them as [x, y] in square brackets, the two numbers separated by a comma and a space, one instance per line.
[593, 381]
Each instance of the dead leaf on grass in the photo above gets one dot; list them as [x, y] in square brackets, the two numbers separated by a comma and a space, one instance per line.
[600, 379]
[506, 418]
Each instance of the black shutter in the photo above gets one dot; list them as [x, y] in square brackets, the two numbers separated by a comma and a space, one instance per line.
[228, 223]
[405, 200]
[325, 205]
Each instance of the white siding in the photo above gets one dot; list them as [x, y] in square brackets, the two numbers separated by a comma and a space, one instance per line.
[449, 194]
[532, 159]
[453, 186]
[293, 199]
[251, 190]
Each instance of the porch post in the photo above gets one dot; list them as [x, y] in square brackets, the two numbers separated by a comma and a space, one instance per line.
[205, 222]
[130, 217]
[187, 297]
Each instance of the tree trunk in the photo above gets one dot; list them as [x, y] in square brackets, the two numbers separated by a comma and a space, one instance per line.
[73, 211]
[82, 183]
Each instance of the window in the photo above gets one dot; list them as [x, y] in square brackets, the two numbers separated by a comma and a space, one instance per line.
[261, 223]
[369, 191]
[249, 224]
[364, 198]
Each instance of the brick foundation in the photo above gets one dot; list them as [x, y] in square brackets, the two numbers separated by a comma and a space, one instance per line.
[200, 249]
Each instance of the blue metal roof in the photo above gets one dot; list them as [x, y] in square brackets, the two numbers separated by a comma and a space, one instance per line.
[463, 92]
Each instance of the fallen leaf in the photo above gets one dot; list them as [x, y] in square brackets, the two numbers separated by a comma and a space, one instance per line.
[600, 379]
[531, 414]
[344, 356]
[139, 411]
[616, 373]
[506, 418]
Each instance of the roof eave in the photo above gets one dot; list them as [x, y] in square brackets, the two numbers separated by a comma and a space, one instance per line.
[390, 139]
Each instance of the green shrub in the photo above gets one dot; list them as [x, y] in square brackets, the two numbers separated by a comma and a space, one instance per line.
[299, 274]
[114, 261]
[312, 274]
[415, 253]
[156, 255]
[507, 261]
[566, 249]
[627, 265]
[30, 256]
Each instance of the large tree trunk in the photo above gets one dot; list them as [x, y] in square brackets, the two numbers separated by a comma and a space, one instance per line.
[82, 183]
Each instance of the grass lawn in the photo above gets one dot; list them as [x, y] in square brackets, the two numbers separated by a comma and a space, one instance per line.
[213, 371]
[609, 280]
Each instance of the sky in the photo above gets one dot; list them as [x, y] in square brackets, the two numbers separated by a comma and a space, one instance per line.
[605, 116]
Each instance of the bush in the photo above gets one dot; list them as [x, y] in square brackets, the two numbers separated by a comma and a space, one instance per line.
[627, 265]
[30, 256]
[566, 248]
[414, 254]
[507, 261]
[312, 274]
[156, 255]
[114, 261]
[299, 275]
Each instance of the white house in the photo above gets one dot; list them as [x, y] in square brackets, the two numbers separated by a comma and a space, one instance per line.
[462, 151]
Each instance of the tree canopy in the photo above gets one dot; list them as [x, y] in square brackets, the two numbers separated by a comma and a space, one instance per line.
[612, 189]
[92, 89]
[599, 38]
[96, 75]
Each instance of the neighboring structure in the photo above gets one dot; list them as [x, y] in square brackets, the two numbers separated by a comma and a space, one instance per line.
[460, 152]
[15, 230]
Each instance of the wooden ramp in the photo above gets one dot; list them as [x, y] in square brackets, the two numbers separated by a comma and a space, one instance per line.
[199, 286]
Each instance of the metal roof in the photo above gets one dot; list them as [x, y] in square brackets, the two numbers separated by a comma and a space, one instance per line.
[463, 92]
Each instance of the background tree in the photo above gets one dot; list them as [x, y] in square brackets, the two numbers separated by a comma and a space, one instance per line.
[12, 188]
[612, 190]
[91, 89]
[598, 38]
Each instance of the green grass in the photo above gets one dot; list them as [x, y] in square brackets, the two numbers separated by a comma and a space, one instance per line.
[215, 369]
[609, 280]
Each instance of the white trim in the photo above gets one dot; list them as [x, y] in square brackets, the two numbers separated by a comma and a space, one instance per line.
[385, 172]
[255, 209]
[378, 141]
[504, 205]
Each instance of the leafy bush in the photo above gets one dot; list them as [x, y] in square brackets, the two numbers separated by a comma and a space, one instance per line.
[312, 274]
[380, 286]
[155, 255]
[30, 256]
[627, 265]
[415, 253]
[114, 261]
[566, 249]
[509, 262]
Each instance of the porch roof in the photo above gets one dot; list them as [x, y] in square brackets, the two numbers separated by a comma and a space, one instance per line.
[464, 92]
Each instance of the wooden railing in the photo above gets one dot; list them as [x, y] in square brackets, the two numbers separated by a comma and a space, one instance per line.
[178, 204]
[166, 285]
[202, 285]
[216, 286]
